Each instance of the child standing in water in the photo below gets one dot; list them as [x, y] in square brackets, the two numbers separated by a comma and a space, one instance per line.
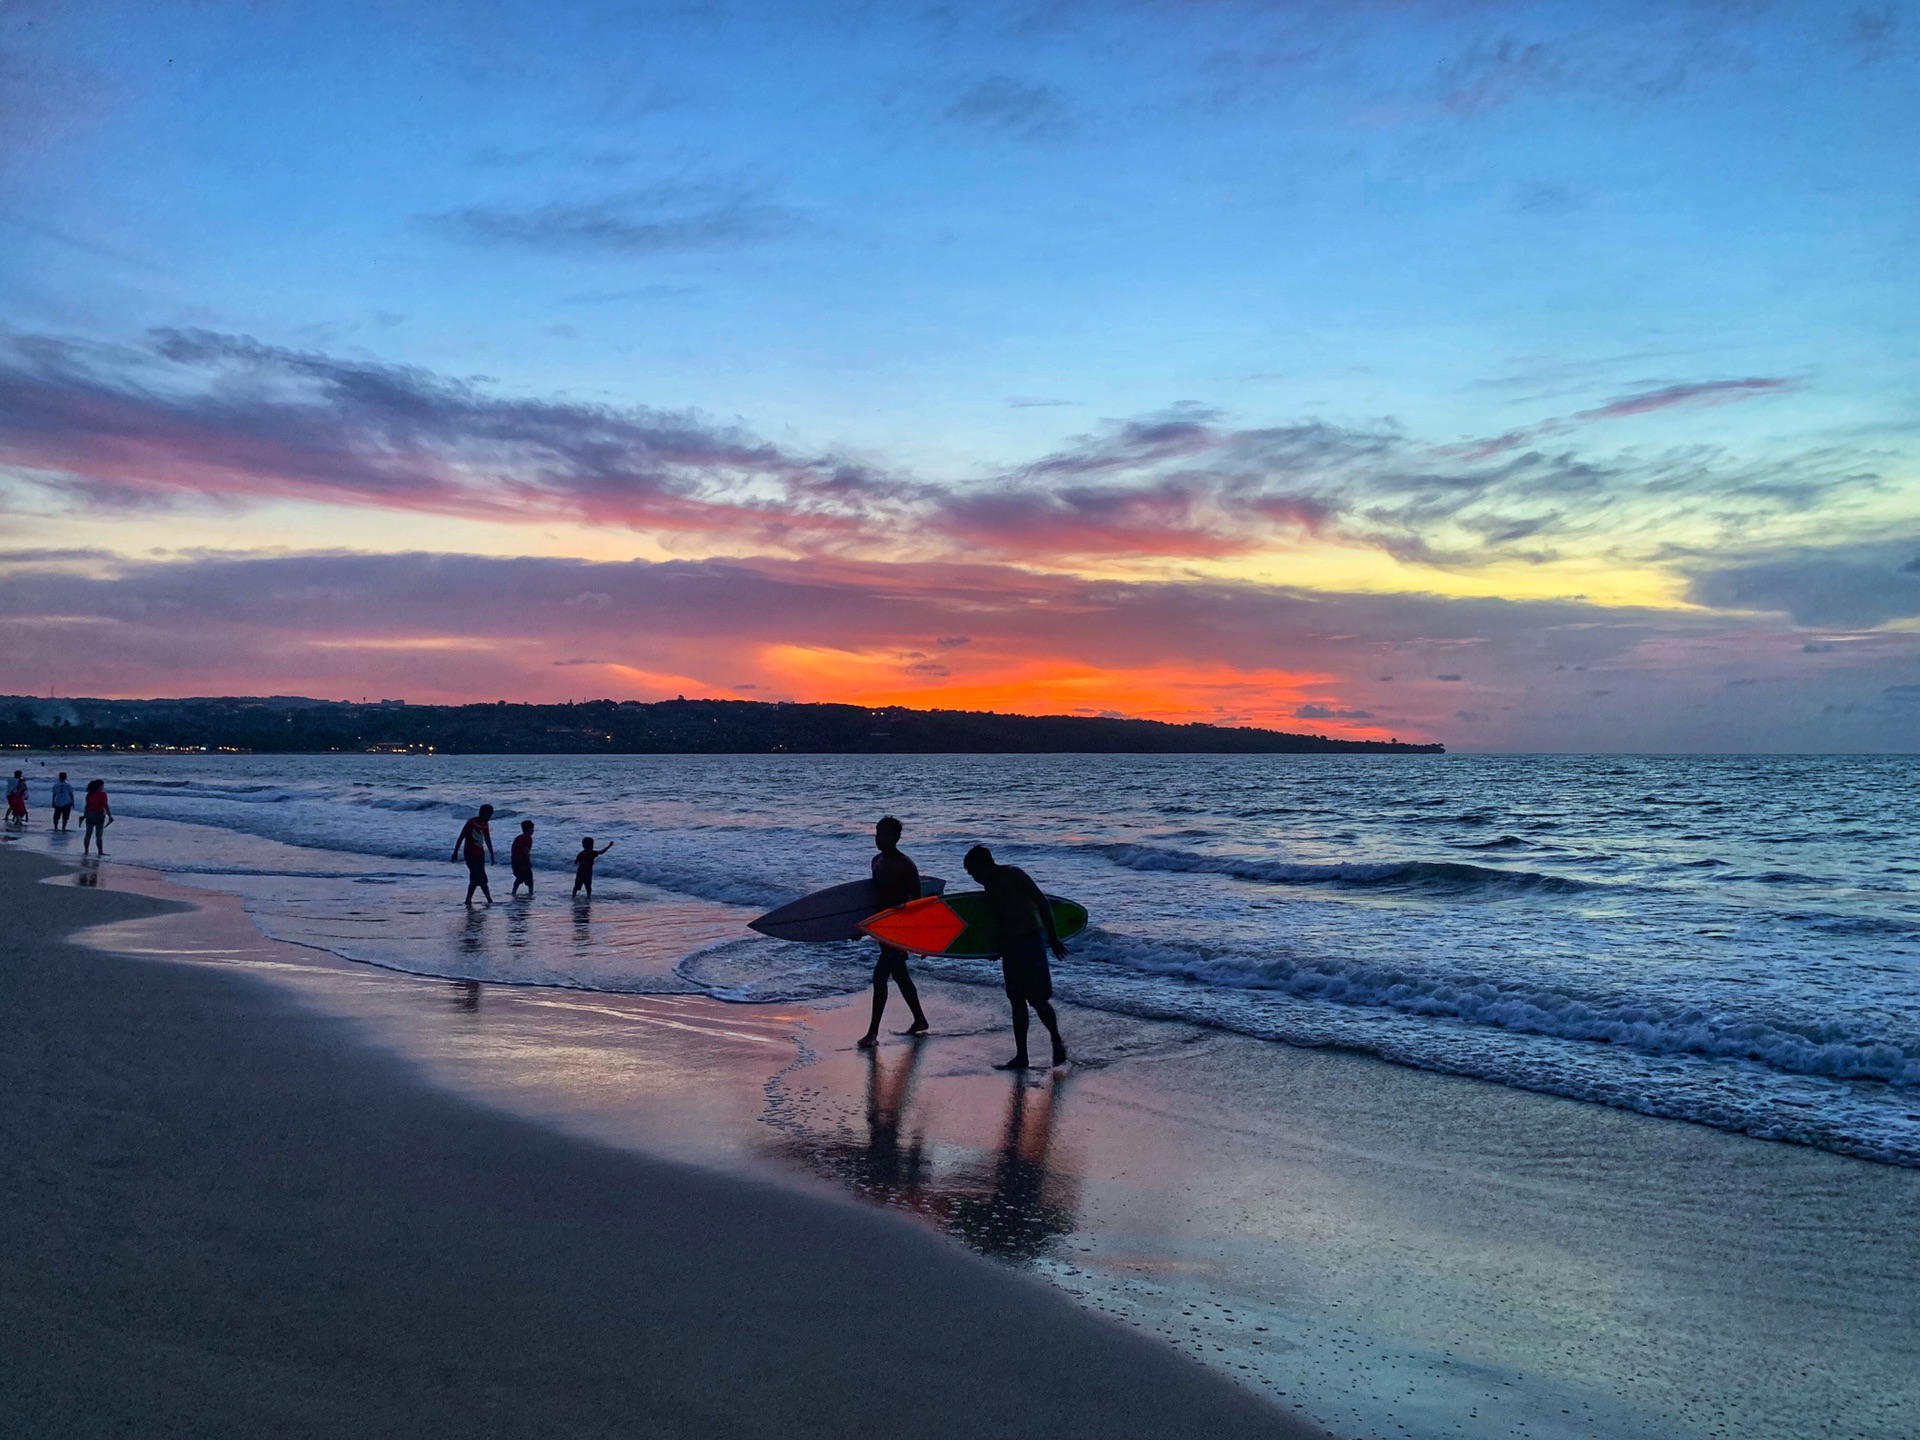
[522, 857]
[583, 866]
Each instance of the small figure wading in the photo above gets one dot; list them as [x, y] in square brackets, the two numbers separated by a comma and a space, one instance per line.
[520, 855]
[583, 866]
[17, 800]
[62, 799]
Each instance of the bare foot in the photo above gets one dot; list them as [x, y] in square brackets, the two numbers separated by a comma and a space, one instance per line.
[1019, 1062]
[919, 1027]
[865, 1042]
[1059, 1053]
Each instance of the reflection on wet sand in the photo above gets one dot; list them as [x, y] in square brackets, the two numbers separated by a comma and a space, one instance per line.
[473, 936]
[1011, 1202]
[466, 994]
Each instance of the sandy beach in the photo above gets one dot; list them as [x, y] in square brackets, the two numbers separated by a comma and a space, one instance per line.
[1385, 1251]
[227, 1215]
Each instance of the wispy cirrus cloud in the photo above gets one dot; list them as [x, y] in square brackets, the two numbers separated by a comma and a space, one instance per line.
[199, 417]
[1012, 109]
[1686, 395]
[224, 417]
[635, 222]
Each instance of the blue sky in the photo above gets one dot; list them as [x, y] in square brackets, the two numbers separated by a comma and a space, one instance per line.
[1664, 250]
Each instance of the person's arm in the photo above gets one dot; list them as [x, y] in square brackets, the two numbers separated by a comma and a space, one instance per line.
[461, 842]
[603, 849]
[1045, 906]
[492, 859]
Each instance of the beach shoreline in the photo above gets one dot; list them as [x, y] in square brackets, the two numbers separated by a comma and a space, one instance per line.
[231, 1216]
[1390, 1251]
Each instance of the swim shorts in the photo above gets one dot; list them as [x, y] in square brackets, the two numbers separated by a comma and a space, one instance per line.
[1023, 967]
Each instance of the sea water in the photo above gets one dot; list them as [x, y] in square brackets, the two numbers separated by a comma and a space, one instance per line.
[1730, 941]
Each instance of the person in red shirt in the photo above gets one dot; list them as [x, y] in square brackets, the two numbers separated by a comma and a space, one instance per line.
[95, 818]
[521, 858]
[476, 846]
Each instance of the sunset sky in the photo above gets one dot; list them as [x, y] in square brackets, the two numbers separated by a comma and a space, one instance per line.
[1515, 375]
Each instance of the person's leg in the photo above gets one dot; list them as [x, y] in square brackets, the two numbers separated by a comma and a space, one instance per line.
[1044, 1009]
[881, 969]
[1019, 1061]
[910, 994]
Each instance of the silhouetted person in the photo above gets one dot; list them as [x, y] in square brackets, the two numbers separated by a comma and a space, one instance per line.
[17, 799]
[898, 880]
[62, 798]
[583, 866]
[520, 855]
[475, 846]
[95, 815]
[1025, 922]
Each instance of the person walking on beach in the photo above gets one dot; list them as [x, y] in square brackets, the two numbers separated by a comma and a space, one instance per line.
[475, 845]
[62, 798]
[1025, 921]
[17, 800]
[95, 815]
[520, 856]
[583, 866]
[897, 879]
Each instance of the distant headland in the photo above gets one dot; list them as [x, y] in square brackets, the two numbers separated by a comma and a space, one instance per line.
[289, 723]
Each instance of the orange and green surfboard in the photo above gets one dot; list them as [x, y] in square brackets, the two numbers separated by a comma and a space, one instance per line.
[958, 924]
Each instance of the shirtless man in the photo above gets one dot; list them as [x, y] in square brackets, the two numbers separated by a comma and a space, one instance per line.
[1025, 921]
[898, 880]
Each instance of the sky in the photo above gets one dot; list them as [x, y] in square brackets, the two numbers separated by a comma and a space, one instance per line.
[1521, 376]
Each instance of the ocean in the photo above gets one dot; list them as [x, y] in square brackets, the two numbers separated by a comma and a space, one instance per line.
[1729, 941]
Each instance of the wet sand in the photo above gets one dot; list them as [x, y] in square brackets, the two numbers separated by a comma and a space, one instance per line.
[1391, 1252]
[225, 1214]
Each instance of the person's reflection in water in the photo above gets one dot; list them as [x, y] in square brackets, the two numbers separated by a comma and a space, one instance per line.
[582, 924]
[1028, 1203]
[473, 938]
[519, 928]
[1011, 1203]
[89, 871]
[466, 994]
[888, 1166]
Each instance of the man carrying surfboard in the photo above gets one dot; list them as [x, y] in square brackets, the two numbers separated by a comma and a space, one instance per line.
[1024, 918]
[897, 879]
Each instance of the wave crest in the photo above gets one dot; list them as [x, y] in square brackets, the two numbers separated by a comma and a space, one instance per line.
[1453, 877]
